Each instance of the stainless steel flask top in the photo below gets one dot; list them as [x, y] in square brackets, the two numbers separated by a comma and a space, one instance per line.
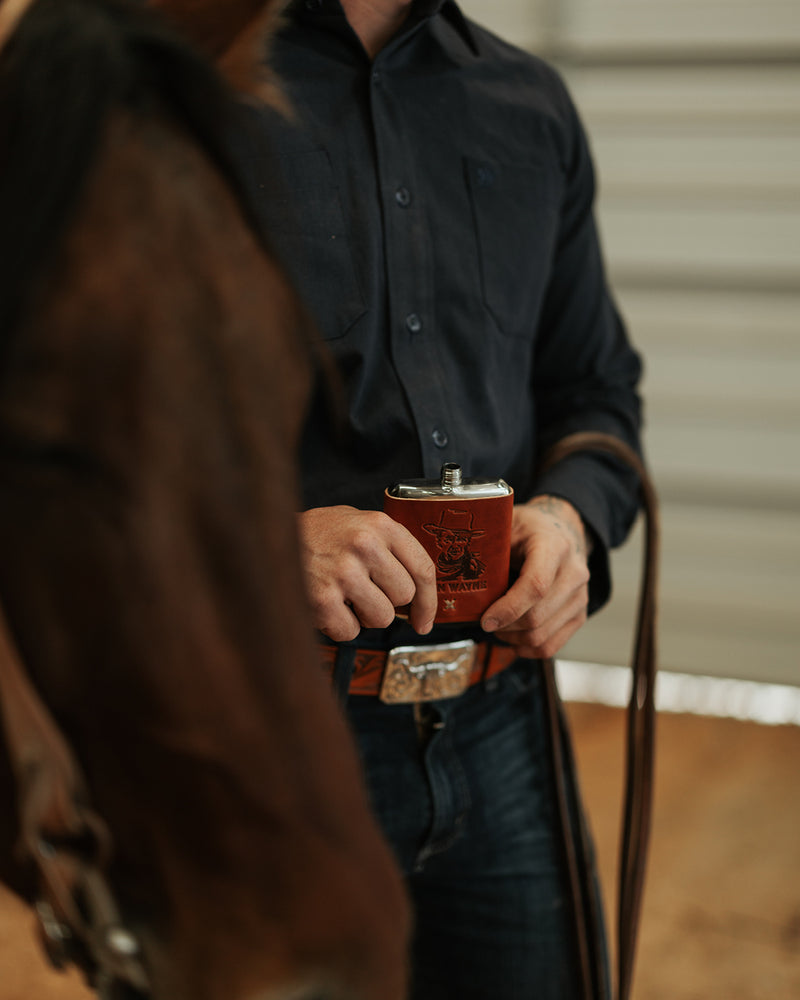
[451, 483]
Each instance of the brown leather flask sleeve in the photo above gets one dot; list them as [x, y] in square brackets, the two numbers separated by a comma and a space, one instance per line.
[469, 540]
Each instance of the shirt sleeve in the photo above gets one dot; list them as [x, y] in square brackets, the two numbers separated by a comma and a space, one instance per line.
[586, 372]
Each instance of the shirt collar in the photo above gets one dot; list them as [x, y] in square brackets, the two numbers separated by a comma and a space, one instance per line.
[420, 11]
[450, 10]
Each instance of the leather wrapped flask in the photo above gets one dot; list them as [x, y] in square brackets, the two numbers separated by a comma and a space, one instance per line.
[465, 527]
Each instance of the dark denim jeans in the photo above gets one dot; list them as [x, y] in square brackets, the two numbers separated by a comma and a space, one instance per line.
[464, 791]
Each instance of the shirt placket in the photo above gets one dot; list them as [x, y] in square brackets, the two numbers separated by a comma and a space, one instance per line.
[409, 269]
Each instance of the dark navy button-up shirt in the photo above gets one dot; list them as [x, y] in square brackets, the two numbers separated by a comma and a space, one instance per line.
[437, 219]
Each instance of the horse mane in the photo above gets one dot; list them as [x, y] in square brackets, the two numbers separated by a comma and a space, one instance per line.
[68, 67]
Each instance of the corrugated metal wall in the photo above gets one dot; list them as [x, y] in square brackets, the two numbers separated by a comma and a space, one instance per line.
[693, 108]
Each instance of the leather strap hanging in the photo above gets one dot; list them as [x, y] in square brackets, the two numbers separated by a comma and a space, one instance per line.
[66, 842]
[640, 747]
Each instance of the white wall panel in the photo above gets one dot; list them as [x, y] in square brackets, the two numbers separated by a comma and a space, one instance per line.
[696, 239]
[695, 160]
[728, 596]
[691, 320]
[525, 22]
[741, 387]
[745, 94]
[768, 26]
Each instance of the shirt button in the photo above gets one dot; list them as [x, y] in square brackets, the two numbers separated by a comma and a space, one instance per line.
[413, 323]
[403, 197]
[376, 76]
[313, 4]
[485, 177]
[440, 439]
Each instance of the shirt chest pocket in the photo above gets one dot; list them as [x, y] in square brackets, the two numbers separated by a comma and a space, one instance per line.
[309, 234]
[515, 216]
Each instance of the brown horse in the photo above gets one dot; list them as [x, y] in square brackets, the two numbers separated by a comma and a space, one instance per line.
[153, 371]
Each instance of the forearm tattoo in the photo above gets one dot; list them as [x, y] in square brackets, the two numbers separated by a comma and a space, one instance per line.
[555, 507]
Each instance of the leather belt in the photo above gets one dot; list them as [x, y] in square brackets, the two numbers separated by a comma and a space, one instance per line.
[409, 674]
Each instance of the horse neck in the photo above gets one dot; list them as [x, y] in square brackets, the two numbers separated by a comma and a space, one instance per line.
[162, 609]
[215, 27]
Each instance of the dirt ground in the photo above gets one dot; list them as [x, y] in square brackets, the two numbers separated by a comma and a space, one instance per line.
[722, 903]
[721, 916]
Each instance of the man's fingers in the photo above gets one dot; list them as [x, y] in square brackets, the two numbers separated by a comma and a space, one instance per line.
[360, 566]
[423, 601]
[422, 609]
[538, 647]
[527, 593]
[557, 641]
[340, 624]
[373, 608]
[343, 618]
[560, 606]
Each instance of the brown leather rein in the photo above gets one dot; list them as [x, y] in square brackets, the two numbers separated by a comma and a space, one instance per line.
[640, 748]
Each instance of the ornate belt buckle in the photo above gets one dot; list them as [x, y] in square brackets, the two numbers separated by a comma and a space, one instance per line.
[427, 673]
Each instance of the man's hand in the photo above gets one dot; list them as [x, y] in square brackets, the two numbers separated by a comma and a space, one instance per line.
[547, 603]
[360, 566]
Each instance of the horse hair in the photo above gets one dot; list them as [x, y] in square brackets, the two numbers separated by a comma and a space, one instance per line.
[67, 68]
